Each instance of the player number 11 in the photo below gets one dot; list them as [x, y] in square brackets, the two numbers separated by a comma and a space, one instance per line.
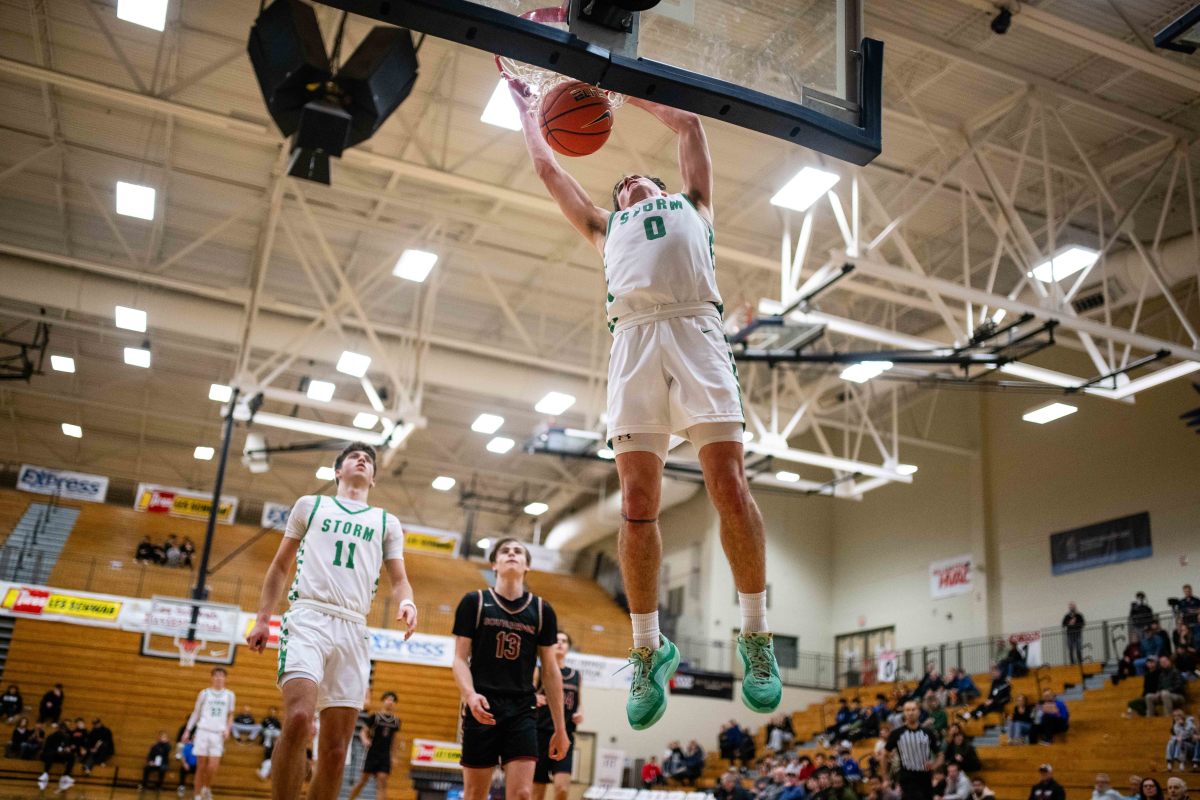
[337, 555]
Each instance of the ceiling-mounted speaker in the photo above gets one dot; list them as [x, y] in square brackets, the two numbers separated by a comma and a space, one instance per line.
[377, 78]
[288, 55]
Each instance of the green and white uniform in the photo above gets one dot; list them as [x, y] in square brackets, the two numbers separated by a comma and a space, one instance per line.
[670, 366]
[323, 637]
[209, 721]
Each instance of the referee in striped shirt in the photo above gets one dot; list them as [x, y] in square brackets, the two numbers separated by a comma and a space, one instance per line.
[918, 749]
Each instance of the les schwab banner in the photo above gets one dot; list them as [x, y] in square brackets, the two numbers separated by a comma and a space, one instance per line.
[418, 539]
[440, 755]
[59, 605]
[157, 499]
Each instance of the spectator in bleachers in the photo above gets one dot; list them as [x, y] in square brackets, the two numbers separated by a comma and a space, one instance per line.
[1150, 790]
[651, 773]
[1103, 790]
[22, 735]
[244, 725]
[931, 681]
[1183, 635]
[779, 732]
[879, 788]
[847, 765]
[773, 787]
[726, 740]
[794, 788]
[1155, 643]
[673, 767]
[1131, 660]
[980, 790]
[271, 727]
[1072, 624]
[958, 786]
[58, 749]
[1140, 615]
[1188, 609]
[100, 746]
[187, 551]
[1170, 689]
[79, 735]
[747, 748]
[937, 720]
[11, 703]
[1047, 788]
[50, 709]
[939, 782]
[156, 762]
[960, 751]
[1176, 789]
[730, 788]
[171, 554]
[145, 553]
[840, 788]
[998, 695]
[868, 727]
[1020, 721]
[1179, 745]
[1050, 719]
[843, 721]
[1014, 664]
[962, 688]
[693, 761]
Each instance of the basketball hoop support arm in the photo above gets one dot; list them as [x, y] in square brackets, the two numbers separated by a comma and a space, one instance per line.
[200, 592]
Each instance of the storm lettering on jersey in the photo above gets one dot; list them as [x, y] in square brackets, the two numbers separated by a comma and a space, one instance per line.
[364, 532]
[661, 204]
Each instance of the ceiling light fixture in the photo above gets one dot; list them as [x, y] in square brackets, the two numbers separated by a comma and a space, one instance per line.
[203, 453]
[500, 444]
[134, 200]
[138, 357]
[74, 431]
[1064, 264]
[865, 370]
[807, 187]
[536, 509]
[1048, 413]
[606, 453]
[365, 420]
[321, 391]
[220, 392]
[787, 477]
[500, 110]
[415, 265]
[325, 473]
[443, 483]
[130, 319]
[147, 13]
[487, 423]
[62, 363]
[906, 469]
[554, 403]
[355, 364]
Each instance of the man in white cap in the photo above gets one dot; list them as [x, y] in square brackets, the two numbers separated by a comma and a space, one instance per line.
[1047, 788]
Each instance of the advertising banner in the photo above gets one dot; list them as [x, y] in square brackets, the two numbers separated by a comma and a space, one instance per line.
[431, 540]
[60, 605]
[1030, 644]
[609, 766]
[887, 666]
[600, 672]
[702, 684]
[422, 648]
[1111, 542]
[184, 503]
[951, 577]
[275, 516]
[71, 485]
[437, 755]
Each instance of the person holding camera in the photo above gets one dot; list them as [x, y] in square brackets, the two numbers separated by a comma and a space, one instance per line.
[1140, 616]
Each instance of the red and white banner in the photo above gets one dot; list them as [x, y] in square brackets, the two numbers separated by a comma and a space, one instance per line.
[951, 577]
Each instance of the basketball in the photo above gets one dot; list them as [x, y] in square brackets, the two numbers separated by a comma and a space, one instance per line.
[576, 119]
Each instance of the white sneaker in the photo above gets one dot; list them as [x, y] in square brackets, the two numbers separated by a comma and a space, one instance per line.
[43, 781]
[64, 783]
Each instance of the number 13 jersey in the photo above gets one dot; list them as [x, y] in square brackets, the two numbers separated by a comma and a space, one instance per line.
[659, 253]
[343, 545]
[505, 636]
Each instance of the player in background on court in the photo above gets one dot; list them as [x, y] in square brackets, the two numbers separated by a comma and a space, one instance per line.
[378, 737]
[339, 545]
[548, 770]
[207, 728]
[670, 372]
[500, 634]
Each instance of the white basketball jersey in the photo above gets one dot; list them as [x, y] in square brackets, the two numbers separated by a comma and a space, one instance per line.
[659, 253]
[213, 708]
[343, 545]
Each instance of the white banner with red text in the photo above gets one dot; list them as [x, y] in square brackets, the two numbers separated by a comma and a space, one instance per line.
[953, 576]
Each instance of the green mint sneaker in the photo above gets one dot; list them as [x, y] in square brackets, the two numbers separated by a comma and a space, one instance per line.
[762, 690]
[652, 669]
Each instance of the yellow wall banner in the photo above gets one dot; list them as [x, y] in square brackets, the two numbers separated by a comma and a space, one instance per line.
[58, 605]
[430, 753]
[431, 540]
[185, 503]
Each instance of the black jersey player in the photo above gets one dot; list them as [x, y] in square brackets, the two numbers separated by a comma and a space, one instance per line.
[378, 737]
[549, 770]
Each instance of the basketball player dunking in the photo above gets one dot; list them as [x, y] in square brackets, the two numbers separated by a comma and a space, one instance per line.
[550, 771]
[339, 545]
[500, 634]
[670, 372]
[207, 728]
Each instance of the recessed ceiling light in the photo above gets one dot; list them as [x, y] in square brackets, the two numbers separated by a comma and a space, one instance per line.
[484, 543]
[62, 363]
[536, 509]
[74, 431]
[500, 110]
[1000, 314]
[487, 423]
[203, 453]
[806, 188]
[321, 390]
[415, 265]
[365, 420]
[554, 403]
[147, 13]
[137, 357]
[355, 364]
[606, 453]
[747, 436]
[787, 477]
[500, 444]
[579, 433]
[131, 319]
[444, 483]
[220, 392]
[1048, 413]
[325, 473]
[906, 469]
[134, 200]
[865, 370]
[1068, 262]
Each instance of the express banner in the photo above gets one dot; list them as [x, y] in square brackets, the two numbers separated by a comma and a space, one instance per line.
[275, 516]
[702, 684]
[186, 503]
[71, 485]
[951, 577]
[435, 754]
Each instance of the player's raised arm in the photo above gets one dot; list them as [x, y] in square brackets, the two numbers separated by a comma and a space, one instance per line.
[695, 163]
[584, 215]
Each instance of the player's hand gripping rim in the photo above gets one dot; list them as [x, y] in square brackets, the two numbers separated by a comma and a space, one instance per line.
[560, 744]
[480, 709]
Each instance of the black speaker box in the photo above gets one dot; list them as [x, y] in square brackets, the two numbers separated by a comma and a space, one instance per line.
[288, 55]
[377, 79]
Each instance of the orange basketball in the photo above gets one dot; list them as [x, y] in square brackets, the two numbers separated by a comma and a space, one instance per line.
[576, 119]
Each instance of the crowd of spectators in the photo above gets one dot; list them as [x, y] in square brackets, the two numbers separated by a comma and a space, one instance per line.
[170, 553]
[53, 740]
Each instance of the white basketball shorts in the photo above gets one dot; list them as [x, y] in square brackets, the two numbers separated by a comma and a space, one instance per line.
[209, 744]
[332, 652]
[666, 375]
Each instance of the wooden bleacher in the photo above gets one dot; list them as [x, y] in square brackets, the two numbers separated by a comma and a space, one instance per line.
[12, 507]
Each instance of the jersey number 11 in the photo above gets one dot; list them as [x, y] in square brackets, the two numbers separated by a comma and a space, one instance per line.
[337, 555]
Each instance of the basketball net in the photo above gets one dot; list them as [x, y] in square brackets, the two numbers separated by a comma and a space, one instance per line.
[539, 80]
[188, 650]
